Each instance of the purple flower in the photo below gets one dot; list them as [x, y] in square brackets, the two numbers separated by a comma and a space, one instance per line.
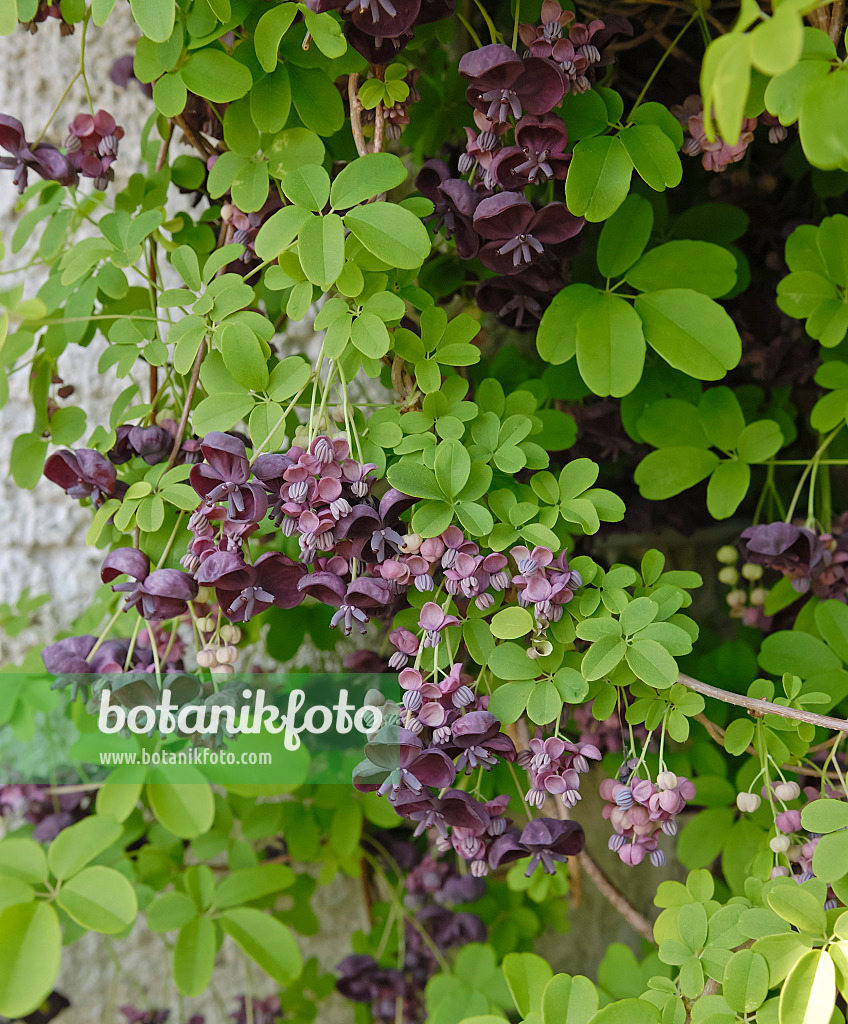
[84, 473]
[454, 202]
[224, 477]
[45, 160]
[397, 758]
[502, 84]
[546, 840]
[374, 532]
[433, 620]
[518, 232]
[272, 580]
[792, 550]
[480, 741]
[161, 594]
[353, 600]
[521, 299]
[92, 146]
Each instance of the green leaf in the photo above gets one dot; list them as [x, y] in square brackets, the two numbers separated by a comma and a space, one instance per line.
[100, 899]
[252, 884]
[250, 185]
[270, 98]
[809, 993]
[545, 703]
[598, 177]
[690, 331]
[628, 1011]
[556, 338]
[799, 907]
[186, 809]
[27, 460]
[155, 18]
[745, 984]
[307, 186]
[567, 1000]
[368, 333]
[243, 355]
[215, 75]
[825, 106]
[9, 18]
[391, 233]
[759, 441]
[452, 466]
[23, 859]
[326, 32]
[221, 411]
[776, 43]
[667, 472]
[703, 837]
[727, 488]
[722, 417]
[509, 700]
[511, 623]
[797, 652]
[610, 346]
[654, 156]
[169, 94]
[738, 736]
[526, 975]
[651, 662]
[831, 857]
[316, 100]
[169, 912]
[602, 657]
[415, 479]
[270, 29]
[704, 267]
[510, 662]
[194, 956]
[79, 844]
[824, 815]
[279, 231]
[265, 940]
[622, 241]
[832, 623]
[30, 954]
[321, 249]
[366, 178]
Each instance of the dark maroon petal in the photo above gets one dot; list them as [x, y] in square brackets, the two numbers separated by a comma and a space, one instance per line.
[125, 561]
[63, 469]
[255, 500]
[225, 569]
[226, 455]
[361, 521]
[504, 166]
[270, 468]
[430, 177]
[280, 575]
[368, 777]
[68, 655]
[541, 87]
[204, 479]
[393, 504]
[461, 195]
[171, 583]
[53, 165]
[503, 216]
[491, 65]
[461, 809]
[13, 138]
[555, 223]
[393, 747]
[367, 593]
[506, 849]
[96, 469]
[327, 587]
[502, 263]
[475, 728]
[152, 443]
[153, 607]
[542, 133]
[375, 50]
[563, 837]
[434, 768]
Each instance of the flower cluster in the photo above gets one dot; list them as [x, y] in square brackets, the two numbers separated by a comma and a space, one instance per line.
[639, 810]
[33, 803]
[47, 161]
[554, 767]
[816, 563]
[87, 655]
[380, 29]
[242, 228]
[92, 146]
[717, 155]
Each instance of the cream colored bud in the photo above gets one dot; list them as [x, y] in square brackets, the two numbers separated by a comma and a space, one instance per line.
[728, 575]
[752, 572]
[727, 554]
[222, 670]
[748, 802]
[206, 658]
[206, 624]
[780, 844]
[411, 544]
[787, 791]
[226, 655]
[758, 596]
[204, 595]
[667, 780]
[737, 598]
[230, 634]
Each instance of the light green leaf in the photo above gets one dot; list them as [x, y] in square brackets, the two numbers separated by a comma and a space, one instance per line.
[654, 156]
[30, 954]
[704, 267]
[809, 993]
[270, 29]
[391, 233]
[366, 178]
[622, 241]
[690, 331]
[265, 940]
[79, 844]
[100, 899]
[215, 75]
[556, 338]
[727, 488]
[598, 177]
[610, 346]
[155, 18]
[194, 956]
[667, 472]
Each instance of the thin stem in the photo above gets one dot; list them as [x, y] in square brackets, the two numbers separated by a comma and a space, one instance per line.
[810, 464]
[55, 110]
[192, 386]
[493, 32]
[660, 63]
[515, 24]
[467, 26]
[82, 62]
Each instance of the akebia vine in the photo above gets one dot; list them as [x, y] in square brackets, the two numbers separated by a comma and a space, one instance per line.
[456, 348]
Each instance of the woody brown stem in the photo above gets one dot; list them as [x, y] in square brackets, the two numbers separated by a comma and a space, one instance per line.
[356, 114]
[192, 386]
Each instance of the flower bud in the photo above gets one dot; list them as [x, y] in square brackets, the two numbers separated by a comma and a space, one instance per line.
[752, 572]
[226, 655]
[206, 624]
[667, 780]
[737, 598]
[780, 844]
[230, 634]
[727, 554]
[222, 670]
[759, 596]
[728, 576]
[206, 658]
[748, 802]
[658, 858]
[787, 791]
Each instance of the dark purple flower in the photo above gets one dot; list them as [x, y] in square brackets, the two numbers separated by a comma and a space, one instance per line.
[480, 741]
[545, 840]
[45, 160]
[224, 477]
[521, 299]
[502, 84]
[161, 594]
[454, 202]
[92, 146]
[792, 550]
[84, 473]
[518, 232]
[396, 757]
[375, 532]
[69, 655]
[273, 580]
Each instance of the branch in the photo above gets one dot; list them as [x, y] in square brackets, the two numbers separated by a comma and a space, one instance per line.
[759, 707]
[192, 385]
[637, 921]
[355, 118]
